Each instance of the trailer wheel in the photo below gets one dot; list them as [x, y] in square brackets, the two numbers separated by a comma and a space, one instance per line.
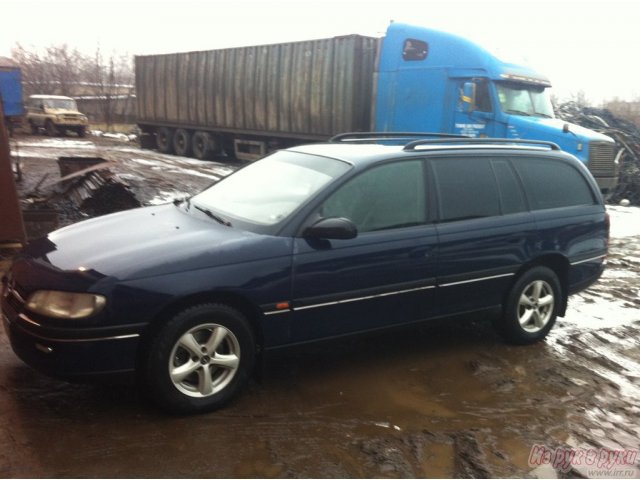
[203, 145]
[182, 142]
[164, 140]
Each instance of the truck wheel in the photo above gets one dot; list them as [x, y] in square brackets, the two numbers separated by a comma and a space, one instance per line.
[182, 142]
[203, 145]
[51, 129]
[35, 130]
[164, 140]
[199, 360]
[531, 307]
[82, 132]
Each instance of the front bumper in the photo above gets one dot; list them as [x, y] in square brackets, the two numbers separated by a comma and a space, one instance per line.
[70, 353]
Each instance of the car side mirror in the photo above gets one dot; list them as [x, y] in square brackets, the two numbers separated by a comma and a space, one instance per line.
[332, 229]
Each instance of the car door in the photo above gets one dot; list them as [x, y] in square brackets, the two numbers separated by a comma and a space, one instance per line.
[485, 230]
[386, 275]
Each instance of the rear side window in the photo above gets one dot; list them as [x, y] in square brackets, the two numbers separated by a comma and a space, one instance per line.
[466, 187]
[553, 184]
[413, 50]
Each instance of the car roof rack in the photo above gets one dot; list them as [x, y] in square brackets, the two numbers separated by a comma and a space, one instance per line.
[364, 137]
[482, 141]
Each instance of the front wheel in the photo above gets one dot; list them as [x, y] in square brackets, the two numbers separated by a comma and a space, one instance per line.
[199, 360]
[51, 129]
[531, 307]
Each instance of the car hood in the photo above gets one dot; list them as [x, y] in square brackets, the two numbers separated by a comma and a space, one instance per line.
[152, 241]
[551, 129]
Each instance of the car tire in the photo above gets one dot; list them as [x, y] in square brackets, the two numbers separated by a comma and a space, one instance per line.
[35, 130]
[82, 132]
[531, 307]
[164, 140]
[199, 360]
[50, 128]
[182, 142]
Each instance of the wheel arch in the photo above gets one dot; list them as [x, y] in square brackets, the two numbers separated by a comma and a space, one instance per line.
[250, 311]
[556, 262]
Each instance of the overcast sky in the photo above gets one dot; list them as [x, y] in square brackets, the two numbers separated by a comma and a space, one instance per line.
[581, 45]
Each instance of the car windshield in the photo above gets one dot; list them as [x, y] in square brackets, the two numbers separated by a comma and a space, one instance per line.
[62, 103]
[269, 190]
[521, 99]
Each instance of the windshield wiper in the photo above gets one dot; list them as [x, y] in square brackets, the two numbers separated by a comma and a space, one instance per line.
[545, 115]
[212, 215]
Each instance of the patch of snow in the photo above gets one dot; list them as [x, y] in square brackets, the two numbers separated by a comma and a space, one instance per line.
[195, 173]
[166, 197]
[59, 143]
[149, 163]
[625, 221]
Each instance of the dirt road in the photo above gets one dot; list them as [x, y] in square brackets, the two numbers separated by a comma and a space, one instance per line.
[444, 400]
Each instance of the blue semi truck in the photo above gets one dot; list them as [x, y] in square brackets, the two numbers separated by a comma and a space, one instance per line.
[248, 101]
[11, 93]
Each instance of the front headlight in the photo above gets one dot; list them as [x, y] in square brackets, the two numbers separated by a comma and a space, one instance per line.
[70, 305]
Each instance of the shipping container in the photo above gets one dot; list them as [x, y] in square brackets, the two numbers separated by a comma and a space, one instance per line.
[243, 98]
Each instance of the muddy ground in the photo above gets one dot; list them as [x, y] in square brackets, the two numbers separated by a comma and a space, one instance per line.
[449, 399]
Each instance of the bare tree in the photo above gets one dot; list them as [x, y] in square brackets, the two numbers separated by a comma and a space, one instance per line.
[105, 80]
[54, 71]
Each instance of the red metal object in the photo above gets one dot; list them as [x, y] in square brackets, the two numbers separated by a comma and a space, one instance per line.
[11, 224]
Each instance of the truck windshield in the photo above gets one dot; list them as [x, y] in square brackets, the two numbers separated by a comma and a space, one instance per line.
[267, 191]
[62, 103]
[521, 99]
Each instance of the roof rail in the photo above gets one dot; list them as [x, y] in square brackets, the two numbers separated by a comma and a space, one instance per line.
[372, 136]
[480, 141]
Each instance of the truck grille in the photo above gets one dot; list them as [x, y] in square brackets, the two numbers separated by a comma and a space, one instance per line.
[602, 159]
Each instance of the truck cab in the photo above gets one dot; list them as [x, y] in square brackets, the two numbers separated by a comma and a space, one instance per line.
[56, 114]
[435, 81]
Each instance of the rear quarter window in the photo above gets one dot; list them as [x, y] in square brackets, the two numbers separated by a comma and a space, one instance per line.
[550, 183]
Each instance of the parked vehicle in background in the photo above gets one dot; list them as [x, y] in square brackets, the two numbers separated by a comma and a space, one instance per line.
[11, 93]
[251, 100]
[56, 114]
[309, 243]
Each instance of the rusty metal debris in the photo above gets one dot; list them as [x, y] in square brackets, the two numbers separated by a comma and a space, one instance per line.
[86, 188]
[627, 137]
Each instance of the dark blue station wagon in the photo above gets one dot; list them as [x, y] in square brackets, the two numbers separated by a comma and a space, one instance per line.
[309, 243]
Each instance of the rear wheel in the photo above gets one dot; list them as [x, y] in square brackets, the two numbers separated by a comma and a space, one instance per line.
[182, 142]
[199, 360]
[203, 145]
[164, 140]
[531, 307]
